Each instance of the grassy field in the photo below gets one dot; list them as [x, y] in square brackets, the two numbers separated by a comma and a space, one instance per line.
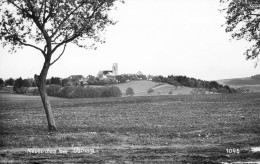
[183, 128]
[141, 87]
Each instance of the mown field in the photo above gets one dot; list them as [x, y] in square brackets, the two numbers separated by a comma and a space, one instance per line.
[181, 128]
[141, 87]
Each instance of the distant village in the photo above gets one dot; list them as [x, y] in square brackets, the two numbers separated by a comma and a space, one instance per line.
[103, 77]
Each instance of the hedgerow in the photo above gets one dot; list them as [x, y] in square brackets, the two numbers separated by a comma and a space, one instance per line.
[81, 92]
[53, 90]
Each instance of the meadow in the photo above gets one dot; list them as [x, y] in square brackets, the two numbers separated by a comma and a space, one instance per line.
[141, 87]
[182, 128]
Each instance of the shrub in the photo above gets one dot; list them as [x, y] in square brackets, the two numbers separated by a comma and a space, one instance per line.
[104, 92]
[53, 90]
[22, 90]
[80, 92]
[223, 90]
[129, 91]
[35, 91]
[121, 78]
[76, 92]
[114, 91]
[150, 91]
[92, 92]
[66, 92]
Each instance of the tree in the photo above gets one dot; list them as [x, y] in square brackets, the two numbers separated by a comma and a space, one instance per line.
[65, 82]
[18, 83]
[121, 78]
[91, 80]
[49, 25]
[242, 20]
[214, 84]
[150, 91]
[192, 83]
[2, 83]
[114, 91]
[129, 91]
[56, 80]
[27, 83]
[228, 88]
[9, 82]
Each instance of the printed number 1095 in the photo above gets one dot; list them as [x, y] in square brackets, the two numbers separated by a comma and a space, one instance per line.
[232, 151]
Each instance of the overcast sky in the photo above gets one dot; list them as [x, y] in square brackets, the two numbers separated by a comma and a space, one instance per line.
[157, 37]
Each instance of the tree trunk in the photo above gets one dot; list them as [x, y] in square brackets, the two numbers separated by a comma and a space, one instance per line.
[41, 83]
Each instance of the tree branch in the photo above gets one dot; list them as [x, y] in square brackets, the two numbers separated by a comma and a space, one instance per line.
[43, 3]
[67, 16]
[80, 31]
[26, 44]
[44, 11]
[51, 7]
[255, 14]
[60, 54]
[20, 8]
[65, 41]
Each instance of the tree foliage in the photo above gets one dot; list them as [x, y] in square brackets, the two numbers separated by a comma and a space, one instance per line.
[53, 22]
[2, 83]
[65, 82]
[242, 20]
[193, 83]
[129, 91]
[56, 80]
[9, 82]
[150, 91]
[18, 83]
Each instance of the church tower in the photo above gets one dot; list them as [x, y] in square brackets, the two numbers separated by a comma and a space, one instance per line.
[115, 69]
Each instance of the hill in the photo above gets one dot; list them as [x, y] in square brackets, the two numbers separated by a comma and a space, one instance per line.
[141, 87]
[251, 83]
[240, 81]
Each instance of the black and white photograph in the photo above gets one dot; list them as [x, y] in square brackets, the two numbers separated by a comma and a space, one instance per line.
[130, 81]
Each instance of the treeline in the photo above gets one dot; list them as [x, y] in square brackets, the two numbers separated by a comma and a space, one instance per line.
[25, 86]
[194, 83]
[22, 86]
[92, 80]
[7, 82]
[58, 88]
[89, 80]
[128, 77]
